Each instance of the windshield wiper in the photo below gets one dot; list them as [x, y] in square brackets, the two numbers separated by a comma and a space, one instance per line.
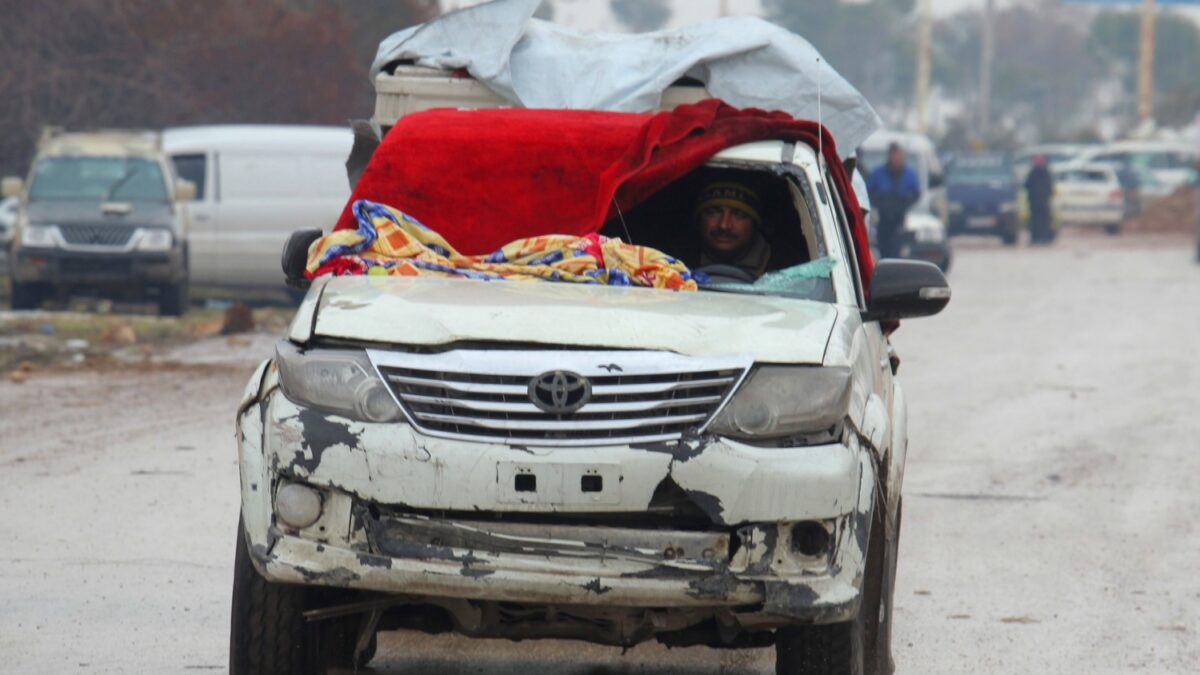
[119, 182]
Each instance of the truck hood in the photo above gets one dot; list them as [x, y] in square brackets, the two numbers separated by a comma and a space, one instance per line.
[988, 194]
[439, 311]
[68, 212]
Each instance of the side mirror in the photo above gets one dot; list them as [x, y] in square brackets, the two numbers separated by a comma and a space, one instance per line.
[295, 257]
[12, 186]
[185, 190]
[906, 289]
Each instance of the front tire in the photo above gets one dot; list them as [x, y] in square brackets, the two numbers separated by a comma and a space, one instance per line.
[861, 646]
[25, 296]
[173, 299]
[829, 649]
[1112, 229]
[269, 635]
[267, 626]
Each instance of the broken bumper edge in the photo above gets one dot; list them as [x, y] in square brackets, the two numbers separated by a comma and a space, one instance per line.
[810, 599]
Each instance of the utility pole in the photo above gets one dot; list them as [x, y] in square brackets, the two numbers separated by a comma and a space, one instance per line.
[924, 30]
[1146, 63]
[987, 50]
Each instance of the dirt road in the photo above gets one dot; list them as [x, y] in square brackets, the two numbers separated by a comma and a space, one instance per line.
[1050, 501]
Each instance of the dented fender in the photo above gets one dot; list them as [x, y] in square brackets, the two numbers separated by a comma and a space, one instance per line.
[896, 458]
[253, 474]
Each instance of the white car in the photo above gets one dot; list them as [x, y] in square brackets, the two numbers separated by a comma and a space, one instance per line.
[517, 459]
[1056, 154]
[1172, 163]
[1089, 195]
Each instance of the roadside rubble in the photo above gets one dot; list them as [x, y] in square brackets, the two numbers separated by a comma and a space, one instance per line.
[42, 342]
[1175, 213]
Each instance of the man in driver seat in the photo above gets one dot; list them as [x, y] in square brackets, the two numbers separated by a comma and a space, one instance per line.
[728, 216]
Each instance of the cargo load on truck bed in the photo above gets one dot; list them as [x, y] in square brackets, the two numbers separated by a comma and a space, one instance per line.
[513, 59]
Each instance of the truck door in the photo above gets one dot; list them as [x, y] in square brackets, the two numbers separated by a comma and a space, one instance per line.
[266, 197]
[203, 244]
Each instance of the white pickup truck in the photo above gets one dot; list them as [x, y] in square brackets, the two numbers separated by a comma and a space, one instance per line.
[521, 459]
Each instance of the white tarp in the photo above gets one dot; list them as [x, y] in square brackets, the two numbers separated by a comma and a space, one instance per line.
[744, 61]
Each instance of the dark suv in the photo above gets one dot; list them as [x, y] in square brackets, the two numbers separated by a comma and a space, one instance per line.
[100, 214]
[982, 191]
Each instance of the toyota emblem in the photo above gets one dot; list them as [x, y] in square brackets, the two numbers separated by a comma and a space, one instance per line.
[560, 392]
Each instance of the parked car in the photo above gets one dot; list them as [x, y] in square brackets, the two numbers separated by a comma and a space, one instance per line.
[1055, 154]
[1089, 195]
[926, 236]
[8, 219]
[1171, 163]
[983, 194]
[524, 459]
[1142, 186]
[255, 185]
[100, 213]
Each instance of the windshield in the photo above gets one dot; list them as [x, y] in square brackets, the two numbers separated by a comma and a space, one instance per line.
[1083, 176]
[979, 174]
[869, 160]
[807, 281]
[98, 179]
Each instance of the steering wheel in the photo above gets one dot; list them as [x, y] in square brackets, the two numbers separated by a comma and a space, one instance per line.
[720, 274]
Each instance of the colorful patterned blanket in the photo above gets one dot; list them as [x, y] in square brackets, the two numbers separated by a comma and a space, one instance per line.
[389, 242]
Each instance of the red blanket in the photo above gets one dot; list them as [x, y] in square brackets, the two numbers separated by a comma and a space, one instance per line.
[484, 178]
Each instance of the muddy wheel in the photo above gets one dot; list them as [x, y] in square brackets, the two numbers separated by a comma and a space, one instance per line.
[945, 266]
[173, 299]
[830, 649]
[267, 627]
[268, 634]
[858, 647]
[25, 296]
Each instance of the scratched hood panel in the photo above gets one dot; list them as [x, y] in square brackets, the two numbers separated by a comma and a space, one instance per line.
[436, 311]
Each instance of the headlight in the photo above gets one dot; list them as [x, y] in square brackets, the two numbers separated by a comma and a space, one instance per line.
[1008, 207]
[156, 239]
[781, 401]
[40, 236]
[341, 382]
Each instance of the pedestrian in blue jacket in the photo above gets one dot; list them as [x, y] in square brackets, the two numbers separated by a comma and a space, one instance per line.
[893, 189]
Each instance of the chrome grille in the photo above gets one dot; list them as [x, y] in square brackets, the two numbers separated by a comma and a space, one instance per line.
[96, 235]
[635, 396]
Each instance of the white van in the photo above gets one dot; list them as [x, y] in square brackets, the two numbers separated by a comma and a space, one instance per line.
[255, 185]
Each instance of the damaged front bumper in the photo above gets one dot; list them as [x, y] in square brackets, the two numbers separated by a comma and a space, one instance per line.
[699, 523]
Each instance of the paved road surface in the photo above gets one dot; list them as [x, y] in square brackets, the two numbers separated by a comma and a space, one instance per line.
[1050, 503]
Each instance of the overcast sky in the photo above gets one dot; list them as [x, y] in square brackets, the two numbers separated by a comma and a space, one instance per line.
[594, 15]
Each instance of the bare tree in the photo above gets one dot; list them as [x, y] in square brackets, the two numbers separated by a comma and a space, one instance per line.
[156, 63]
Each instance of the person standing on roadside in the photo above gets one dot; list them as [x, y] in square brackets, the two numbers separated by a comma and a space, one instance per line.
[1039, 189]
[893, 189]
